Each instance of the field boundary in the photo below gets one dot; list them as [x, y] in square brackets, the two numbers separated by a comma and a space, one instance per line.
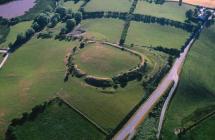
[83, 115]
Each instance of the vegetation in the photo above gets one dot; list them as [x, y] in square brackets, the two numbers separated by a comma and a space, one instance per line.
[150, 35]
[4, 31]
[108, 5]
[58, 116]
[72, 5]
[103, 29]
[14, 31]
[196, 89]
[170, 10]
[40, 6]
[4, 1]
[104, 61]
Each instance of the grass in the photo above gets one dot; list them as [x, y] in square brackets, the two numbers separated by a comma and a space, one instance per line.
[108, 5]
[35, 73]
[72, 5]
[170, 10]
[103, 29]
[14, 31]
[4, 30]
[105, 61]
[196, 89]
[156, 35]
[205, 130]
[61, 122]
[155, 60]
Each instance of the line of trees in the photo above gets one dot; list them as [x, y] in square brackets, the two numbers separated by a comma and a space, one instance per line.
[163, 21]
[141, 18]
[171, 51]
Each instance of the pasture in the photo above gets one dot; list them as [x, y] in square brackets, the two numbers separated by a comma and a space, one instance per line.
[14, 31]
[61, 121]
[155, 35]
[71, 5]
[35, 73]
[108, 5]
[196, 89]
[103, 29]
[104, 60]
[170, 10]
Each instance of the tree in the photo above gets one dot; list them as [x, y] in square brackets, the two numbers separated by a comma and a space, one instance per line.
[70, 24]
[62, 11]
[189, 14]
[78, 17]
[29, 33]
[20, 39]
[35, 26]
[42, 20]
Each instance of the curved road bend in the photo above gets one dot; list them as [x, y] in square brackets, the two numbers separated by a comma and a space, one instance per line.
[130, 127]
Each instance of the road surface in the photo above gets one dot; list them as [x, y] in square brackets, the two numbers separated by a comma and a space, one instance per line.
[5, 57]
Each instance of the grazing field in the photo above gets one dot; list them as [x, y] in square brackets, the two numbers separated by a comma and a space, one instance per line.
[196, 89]
[105, 61]
[205, 130]
[156, 35]
[14, 31]
[108, 5]
[72, 5]
[35, 73]
[103, 29]
[170, 10]
[206, 3]
[61, 122]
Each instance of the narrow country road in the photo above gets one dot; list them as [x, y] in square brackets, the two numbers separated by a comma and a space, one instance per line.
[5, 57]
[128, 130]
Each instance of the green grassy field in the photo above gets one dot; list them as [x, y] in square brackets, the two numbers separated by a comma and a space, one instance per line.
[205, 130]
[170, 10]
[156, 35]
[14, 31]
[72, 6]
[35, 73]
[108, 5]
[105, 61]
[103, 29]
[196, 89]
[61, 122]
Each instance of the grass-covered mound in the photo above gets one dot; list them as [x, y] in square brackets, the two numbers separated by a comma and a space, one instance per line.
[196, 89]
[170, 10]
[108, 5]
[156, 35]
[57, 121]
[104, 60]
[103, 29]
